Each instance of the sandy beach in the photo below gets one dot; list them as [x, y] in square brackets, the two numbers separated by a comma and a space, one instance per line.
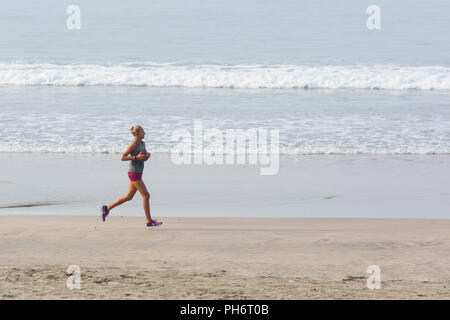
[223, 258]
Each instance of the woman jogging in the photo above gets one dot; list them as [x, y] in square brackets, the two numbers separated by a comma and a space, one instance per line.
[137, 154]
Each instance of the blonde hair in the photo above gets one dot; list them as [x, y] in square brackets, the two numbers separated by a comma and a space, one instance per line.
[135, 129]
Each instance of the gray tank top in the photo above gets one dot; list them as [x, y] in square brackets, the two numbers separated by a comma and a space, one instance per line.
[137, 165]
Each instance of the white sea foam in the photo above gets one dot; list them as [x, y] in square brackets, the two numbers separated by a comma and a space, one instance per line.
[393, 77]
[307, 150]
[68, 130]
[98, 146]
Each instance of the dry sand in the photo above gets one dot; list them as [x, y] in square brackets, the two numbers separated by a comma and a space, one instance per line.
[223, 258]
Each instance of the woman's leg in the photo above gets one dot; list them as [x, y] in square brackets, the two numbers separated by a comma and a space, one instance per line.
[127, 197]
[140, 186]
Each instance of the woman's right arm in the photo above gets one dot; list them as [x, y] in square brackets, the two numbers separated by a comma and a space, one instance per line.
[125, 156]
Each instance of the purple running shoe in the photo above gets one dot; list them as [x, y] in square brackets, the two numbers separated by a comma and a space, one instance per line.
[105, 212]
[154, 223]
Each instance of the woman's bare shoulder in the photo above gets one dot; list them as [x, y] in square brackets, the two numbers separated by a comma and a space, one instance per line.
[131, 146]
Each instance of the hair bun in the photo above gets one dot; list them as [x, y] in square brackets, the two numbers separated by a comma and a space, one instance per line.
[135, 129]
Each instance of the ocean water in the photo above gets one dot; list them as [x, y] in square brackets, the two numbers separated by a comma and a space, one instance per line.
[312, 70]
[354, 105]
[198, 32]
[92, 120]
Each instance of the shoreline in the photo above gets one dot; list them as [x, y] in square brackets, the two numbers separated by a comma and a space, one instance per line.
[308, 186]
[214, 217]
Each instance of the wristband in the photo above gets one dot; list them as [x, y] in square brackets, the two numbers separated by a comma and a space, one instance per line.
[135, 157]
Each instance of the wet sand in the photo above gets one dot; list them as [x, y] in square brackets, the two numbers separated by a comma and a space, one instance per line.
[317, 186]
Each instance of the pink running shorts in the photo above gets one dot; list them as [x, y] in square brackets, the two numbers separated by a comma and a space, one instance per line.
[135, 176]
